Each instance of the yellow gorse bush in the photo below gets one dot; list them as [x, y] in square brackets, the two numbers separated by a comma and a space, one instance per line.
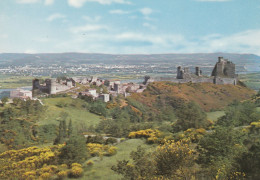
[152, 135]
[192, 134]
[29, 163]
[101, 149]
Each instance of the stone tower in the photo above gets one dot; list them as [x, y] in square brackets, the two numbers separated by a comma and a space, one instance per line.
[198, 71]
[36, 84]
[224, 68]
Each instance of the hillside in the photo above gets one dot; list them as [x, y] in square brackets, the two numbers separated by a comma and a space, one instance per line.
[208, 96]
[45, 58]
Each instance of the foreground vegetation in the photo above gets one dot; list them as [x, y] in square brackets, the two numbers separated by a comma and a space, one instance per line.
[159, 134]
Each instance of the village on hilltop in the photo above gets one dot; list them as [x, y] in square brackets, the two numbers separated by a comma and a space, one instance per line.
[223, 73]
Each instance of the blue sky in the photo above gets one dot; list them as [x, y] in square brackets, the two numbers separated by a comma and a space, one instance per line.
[130, 26]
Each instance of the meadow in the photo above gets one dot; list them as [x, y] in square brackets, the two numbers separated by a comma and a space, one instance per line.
[79, 115]
[102, 167]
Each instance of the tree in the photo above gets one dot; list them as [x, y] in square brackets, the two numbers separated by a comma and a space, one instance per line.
[238, 114]
[220, 150]
[174, 160]
[70, 128]
[190, 115]
[4, 100]
[141, 168]
[62, 133]
[74, 151]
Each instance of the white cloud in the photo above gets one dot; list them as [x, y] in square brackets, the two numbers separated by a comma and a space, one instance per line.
[146, 11]
[92, 19]
[3, 36]
[88, 28]
[30, 51]
[27, 1]
[243, 42]
[80, 3]
[118, 11]
[148, 25]
[49, 2]
[136, 42]
[55, 17]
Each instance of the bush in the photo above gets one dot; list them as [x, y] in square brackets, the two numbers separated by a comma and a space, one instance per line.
[76, 172]
[45, 176]
[151, 135]
[90, 163]
[62, 174]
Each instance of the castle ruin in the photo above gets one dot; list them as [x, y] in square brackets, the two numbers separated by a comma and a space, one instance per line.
[52, 86]
[223, 73]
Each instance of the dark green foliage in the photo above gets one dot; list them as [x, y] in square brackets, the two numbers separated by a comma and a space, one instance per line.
[17, 123]
[4, 100]
[141, 168]
[99, 108]
[74, 151]
[239, 114]
[190, 115]
[220, 149]
[47, 132]
[250, 161]
[62, 133]
[70, 129]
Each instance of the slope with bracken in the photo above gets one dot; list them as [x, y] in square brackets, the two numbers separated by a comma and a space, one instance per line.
[208, 96]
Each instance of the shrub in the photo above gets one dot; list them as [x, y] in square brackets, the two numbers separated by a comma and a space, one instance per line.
[76, 172]
[62, 174]
[29, 175]
[100, 149]
[76, 165]
[45, 175]
[151, 135]
[90, 163]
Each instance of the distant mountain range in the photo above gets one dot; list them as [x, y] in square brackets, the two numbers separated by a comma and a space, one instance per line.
[93, 58]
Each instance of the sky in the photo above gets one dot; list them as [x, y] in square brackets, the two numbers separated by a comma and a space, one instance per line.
[130, 26]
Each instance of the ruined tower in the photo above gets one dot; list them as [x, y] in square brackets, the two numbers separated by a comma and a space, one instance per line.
[36, 84]
[198, 71]
[224, 68]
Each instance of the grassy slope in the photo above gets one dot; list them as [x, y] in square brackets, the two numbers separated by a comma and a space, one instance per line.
[8, 81]
[78, 115]
[251, 80]
[208, 96]
[215, 115]
[102, 168]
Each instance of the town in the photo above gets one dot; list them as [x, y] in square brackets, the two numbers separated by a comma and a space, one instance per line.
[223, 73]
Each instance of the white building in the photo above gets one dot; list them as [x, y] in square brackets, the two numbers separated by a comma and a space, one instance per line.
[104, 97]
[20, 93]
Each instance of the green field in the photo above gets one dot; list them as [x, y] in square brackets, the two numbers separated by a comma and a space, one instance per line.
[251, 80]
[102, 168]
[215, 115]
[10, 82]
[80, 117]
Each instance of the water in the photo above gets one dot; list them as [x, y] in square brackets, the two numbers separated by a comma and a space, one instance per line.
[6, 92]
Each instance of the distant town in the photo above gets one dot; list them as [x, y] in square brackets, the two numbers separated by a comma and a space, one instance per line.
[224, 72]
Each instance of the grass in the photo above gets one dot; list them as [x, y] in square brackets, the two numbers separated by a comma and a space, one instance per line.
[251, 80]
[102, 168]
[80, 116]
[215, 115]
[10, 81]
